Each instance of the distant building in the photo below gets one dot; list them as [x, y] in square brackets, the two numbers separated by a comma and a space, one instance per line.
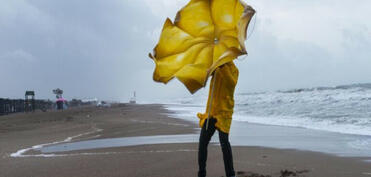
[133, 99]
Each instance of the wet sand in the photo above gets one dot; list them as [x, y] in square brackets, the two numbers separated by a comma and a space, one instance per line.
[22, 131]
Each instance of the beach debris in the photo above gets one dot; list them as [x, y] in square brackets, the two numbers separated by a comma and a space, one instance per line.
[250, 174]
[283, 173]
[288, 173]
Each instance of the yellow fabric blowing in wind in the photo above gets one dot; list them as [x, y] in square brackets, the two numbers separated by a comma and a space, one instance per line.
[206, 34]
[221, 106]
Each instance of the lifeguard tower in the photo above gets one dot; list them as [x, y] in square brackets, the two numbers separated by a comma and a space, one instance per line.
[29, 101]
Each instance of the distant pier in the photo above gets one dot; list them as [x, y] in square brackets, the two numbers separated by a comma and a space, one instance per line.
[10, 106]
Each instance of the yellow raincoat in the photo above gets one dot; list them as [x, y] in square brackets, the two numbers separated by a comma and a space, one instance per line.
[205, 35]
[225, 77]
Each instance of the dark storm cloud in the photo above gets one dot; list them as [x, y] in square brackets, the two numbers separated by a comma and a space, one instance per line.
[95, 48]
[87, 48]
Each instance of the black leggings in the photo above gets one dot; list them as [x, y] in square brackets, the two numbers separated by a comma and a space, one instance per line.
[205, 138]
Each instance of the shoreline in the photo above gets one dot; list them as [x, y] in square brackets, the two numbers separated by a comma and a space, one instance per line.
[185, 110]
[26, 130]
[288, 137]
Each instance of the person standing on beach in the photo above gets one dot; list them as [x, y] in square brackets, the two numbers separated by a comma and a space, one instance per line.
[204, 40]
[219, 111]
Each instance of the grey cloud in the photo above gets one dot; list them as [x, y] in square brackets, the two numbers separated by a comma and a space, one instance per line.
[99, 49]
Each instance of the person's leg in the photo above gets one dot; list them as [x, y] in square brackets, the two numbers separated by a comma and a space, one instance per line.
[227, 153]
[205, 138]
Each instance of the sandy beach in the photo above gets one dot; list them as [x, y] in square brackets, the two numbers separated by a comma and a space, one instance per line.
[24, 131]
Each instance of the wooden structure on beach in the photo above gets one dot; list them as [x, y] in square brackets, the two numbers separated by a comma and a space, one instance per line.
[29, 101]
[10, 106]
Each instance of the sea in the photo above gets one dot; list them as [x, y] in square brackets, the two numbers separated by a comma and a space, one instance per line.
[333, 120]
[340, 112]
[343, 109]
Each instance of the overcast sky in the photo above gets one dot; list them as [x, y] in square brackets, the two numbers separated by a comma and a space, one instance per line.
[99, 48]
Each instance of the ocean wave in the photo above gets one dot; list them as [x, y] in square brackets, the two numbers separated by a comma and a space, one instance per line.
[343, 109]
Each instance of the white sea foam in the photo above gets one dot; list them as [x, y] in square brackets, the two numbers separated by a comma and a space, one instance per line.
[21, 153]
[363, 144]
[105, 153]
[342, 109]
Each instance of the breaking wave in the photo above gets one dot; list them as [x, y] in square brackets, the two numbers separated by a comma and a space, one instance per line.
[343, 109]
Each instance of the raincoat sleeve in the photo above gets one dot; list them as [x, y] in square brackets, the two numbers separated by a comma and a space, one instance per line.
[222, 105]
